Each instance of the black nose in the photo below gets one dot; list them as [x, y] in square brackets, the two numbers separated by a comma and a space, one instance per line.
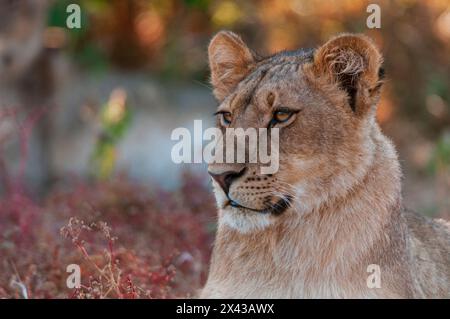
[226, 178]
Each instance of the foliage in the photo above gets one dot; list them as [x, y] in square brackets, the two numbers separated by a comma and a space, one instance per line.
[440, 161]
[114, 121]
[129, 242]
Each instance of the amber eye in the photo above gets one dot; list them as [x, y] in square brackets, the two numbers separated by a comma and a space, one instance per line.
[281, 116]
[224, 117]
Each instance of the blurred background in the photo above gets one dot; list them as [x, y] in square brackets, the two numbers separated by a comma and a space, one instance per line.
[86, 115]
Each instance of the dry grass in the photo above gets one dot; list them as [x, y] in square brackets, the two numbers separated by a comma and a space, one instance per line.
[130, 242]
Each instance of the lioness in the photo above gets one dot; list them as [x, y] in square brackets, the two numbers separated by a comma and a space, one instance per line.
[317, 227]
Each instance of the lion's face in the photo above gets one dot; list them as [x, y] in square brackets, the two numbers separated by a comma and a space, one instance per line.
[321, 123]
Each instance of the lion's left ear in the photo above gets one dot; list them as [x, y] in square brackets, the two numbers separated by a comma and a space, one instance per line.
[354, 64]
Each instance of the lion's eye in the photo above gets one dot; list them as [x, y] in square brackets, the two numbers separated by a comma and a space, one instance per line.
[225, 118]
[282, 116]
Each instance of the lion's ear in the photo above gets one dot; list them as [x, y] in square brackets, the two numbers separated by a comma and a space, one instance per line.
[354, 64]
[230, 60]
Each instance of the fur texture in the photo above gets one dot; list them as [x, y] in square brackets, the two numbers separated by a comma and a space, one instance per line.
[339, 173]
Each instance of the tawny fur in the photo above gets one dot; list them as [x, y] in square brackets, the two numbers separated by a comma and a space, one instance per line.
[343, 176]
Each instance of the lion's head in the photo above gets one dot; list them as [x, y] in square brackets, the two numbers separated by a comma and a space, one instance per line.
[323, 102]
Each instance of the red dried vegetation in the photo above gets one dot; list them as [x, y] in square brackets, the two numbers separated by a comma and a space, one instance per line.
[129, 241]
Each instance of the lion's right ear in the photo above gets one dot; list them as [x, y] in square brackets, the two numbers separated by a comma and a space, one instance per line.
[230, 60]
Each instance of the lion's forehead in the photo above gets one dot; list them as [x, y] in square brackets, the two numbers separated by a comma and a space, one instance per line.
[285, 78]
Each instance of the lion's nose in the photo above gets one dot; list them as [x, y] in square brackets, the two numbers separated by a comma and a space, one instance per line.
[226, 178]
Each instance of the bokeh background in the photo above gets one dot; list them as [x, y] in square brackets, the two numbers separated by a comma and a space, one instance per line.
[86, 115]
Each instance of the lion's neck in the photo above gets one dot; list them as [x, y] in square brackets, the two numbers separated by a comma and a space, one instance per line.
[319, 252]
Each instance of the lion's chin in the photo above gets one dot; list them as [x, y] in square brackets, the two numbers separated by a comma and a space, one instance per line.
[243, 220]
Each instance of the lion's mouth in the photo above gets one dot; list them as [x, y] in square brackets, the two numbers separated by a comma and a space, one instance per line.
[275, 209]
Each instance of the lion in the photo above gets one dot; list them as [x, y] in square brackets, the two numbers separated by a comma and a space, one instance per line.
[330, 222]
